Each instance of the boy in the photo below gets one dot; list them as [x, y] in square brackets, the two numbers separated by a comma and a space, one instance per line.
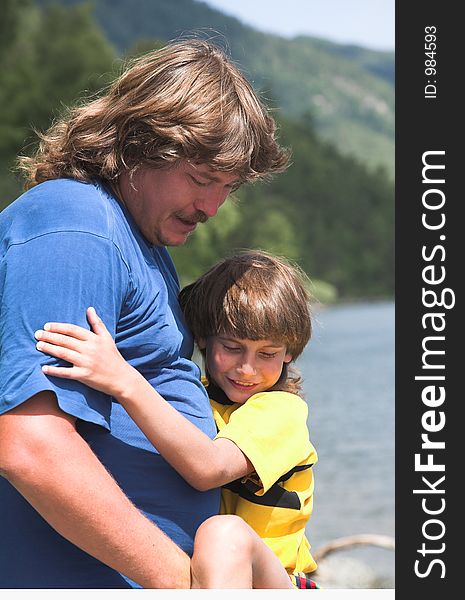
[250, 317]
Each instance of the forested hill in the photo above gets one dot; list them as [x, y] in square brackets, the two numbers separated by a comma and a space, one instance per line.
[348, 91]
[329, 211]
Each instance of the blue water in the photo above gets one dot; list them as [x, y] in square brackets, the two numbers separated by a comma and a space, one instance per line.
[348, 370]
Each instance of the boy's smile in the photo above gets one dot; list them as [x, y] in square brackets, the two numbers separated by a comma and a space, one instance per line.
[242, 368]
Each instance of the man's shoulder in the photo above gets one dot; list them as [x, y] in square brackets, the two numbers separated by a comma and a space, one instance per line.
[60, 205]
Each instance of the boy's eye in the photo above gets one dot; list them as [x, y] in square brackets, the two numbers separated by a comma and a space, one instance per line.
[269, 354]
[231, 348]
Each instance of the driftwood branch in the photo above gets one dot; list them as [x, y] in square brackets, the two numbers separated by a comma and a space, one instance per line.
[366, 539]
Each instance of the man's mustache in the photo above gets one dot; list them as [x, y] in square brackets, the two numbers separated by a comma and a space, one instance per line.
[198, 217]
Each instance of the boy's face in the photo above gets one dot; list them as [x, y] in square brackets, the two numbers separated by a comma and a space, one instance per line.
[242, 368]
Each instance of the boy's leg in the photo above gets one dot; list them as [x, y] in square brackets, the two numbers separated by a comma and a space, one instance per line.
[229, 554]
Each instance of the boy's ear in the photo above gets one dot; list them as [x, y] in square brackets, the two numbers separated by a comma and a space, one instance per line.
[201, 343]
[287, 358]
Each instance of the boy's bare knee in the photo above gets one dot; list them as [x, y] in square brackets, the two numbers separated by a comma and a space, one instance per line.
[225, 533]
[223, 552]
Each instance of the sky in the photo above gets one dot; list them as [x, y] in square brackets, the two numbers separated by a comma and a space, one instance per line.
[368, 23]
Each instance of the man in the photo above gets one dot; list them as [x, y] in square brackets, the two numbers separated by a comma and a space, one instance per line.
[85, 500]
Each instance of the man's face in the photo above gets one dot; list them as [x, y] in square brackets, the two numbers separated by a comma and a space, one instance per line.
[167, 203]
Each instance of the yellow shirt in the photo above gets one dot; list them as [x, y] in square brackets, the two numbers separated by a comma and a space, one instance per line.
[277, 499]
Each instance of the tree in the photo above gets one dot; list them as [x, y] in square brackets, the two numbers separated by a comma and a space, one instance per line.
[51, 58]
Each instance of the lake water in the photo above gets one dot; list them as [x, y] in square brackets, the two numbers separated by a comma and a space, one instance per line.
[348, 369]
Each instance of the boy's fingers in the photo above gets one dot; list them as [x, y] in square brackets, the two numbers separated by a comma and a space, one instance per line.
[80, 333]
[58, 352]
[98, 326]
[63, 372]
[58, 339]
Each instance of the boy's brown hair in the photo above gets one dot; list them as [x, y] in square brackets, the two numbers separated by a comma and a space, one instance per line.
[252, 295]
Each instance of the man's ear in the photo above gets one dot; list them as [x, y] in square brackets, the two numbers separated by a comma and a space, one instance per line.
[201, 343]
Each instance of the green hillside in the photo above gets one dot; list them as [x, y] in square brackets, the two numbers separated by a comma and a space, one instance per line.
[346, 90]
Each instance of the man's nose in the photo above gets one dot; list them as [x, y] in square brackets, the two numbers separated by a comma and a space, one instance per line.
[210, 201]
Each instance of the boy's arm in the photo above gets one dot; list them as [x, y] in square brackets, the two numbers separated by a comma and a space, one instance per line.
[202, 462]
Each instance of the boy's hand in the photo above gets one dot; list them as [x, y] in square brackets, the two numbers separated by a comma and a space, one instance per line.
[95, 358]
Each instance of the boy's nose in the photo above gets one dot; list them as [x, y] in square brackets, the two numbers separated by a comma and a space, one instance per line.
[246, 369]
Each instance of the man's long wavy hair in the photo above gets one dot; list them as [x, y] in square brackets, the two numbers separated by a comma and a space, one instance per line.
[257, 296]
[185, 101]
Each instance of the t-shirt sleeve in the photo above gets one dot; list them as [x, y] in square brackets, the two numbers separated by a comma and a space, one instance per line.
[271, 430]
[55, 277]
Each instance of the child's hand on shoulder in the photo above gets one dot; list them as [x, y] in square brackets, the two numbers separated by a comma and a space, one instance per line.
[93, 354]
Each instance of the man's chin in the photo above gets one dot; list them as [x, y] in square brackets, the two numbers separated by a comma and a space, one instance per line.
[175, 240]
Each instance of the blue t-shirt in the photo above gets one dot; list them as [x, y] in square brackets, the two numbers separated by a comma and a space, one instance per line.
[64, 246]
